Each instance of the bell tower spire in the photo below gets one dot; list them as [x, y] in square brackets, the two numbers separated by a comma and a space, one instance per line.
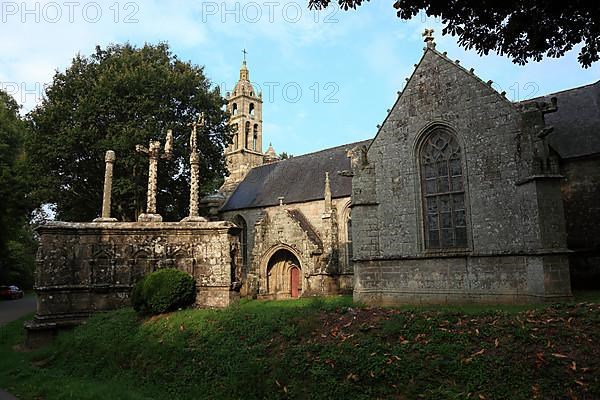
[245, 152]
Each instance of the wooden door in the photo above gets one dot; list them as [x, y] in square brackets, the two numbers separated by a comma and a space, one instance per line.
[295, 282]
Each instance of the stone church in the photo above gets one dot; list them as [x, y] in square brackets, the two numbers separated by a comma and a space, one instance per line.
[295, 239]
[461, 196]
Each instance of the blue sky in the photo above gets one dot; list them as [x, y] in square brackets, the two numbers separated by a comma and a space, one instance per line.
[327, 78]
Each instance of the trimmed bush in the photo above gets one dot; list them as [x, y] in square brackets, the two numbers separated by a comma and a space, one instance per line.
[163, 291]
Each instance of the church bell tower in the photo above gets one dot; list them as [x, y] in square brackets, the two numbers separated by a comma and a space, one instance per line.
[244, 105]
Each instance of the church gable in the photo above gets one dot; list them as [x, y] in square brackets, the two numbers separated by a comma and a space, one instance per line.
[282, 225]
[444, 99]
[457, 179]
[441, 90]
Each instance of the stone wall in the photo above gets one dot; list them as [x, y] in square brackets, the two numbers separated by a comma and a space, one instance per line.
[87, 267]
[326, 267]
[581, 194]
[514, 217]
[496, 279]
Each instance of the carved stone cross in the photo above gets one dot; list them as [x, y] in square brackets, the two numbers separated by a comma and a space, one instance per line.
[154, 153]
[195, 173]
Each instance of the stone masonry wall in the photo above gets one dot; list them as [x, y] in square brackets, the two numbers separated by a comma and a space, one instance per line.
[87, 267]
[581, 194]
[324, 276]
[512, 203]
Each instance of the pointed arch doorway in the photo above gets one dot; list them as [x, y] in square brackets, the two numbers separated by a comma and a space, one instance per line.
[284, 275]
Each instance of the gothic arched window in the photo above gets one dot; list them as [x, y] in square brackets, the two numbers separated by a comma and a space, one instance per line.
[234, 109]
[251, 108]
[349, 239]
[442, 185]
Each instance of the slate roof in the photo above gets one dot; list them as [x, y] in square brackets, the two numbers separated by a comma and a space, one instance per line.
[298, 179]
[577, 121]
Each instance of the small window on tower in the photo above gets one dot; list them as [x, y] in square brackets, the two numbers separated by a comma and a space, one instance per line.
[255, 137]
[234, 109]
[235, 136]
[251, 108]
[246, 135]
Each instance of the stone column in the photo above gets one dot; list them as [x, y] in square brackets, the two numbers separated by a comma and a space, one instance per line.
[194, 190]
[152, 177]
[327, 194]
[108, 175]
[154, 153]
[195, 174]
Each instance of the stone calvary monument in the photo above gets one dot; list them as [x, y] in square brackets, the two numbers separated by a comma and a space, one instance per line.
[84, 267]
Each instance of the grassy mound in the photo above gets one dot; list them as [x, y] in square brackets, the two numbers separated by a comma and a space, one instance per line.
[318, 349]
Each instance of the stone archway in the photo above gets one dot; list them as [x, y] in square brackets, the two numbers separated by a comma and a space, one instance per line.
[284, 275]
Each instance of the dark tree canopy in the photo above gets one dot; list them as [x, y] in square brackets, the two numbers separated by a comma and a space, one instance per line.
[521, 29]
[112, 100]
[17, 247]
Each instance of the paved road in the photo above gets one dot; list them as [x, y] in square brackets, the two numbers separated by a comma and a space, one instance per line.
[15, 309]
[9, 311]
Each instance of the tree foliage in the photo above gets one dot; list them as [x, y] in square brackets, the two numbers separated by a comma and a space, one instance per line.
[521, 29]
[17, 246]
[114, 99]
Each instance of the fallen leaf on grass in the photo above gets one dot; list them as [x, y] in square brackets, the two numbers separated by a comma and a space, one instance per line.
[536, 391]
[496, 343]
[480, 352]
[558, 355]
[352, 377]
[573, 366]
[469, 359]
[539, 359]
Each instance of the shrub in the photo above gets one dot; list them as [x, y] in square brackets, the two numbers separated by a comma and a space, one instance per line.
[163, 291]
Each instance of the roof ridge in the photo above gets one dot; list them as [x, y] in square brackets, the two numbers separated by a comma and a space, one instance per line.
[312, 153]
[587, 85]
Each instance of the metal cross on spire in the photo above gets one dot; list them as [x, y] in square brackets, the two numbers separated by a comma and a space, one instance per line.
[245, 52]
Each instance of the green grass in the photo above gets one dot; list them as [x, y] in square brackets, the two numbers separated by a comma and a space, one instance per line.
[317, 349]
